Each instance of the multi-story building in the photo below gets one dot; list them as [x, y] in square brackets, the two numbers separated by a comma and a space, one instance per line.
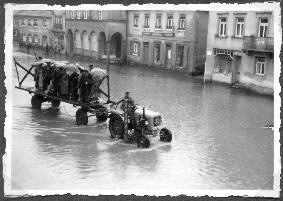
[240, 49]
[33, 27]
[59, 30]
[169, 39]
[89, 31]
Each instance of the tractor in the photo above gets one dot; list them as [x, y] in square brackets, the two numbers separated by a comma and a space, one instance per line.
[134, 123]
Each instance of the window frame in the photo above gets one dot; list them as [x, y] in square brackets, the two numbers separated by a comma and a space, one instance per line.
[135, 48]
[44, 23]
[146, 21]
[35, 20]
[23, 22]
[85, 14]
[100, 15]
[36, 41]
[241, 25]
[158, 19]
[261, 66]
[265, 26]
[78, 14]
[169, 18]
[29, 22]
[72, 14]
[224, 24]
[182, 26]
[136, 20]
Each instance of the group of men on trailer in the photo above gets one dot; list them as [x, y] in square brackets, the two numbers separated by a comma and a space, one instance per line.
[68, 81]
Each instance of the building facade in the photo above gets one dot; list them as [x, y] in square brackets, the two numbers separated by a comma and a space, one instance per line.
[33, 27]
[59, 30]
[89, 31]
[169, 39]
[240, 50]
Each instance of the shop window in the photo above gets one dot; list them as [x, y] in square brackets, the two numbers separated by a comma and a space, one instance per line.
[136, 21]
[35, 22]
[263, 25]
[158, 21]
[135, 48]
[260, 66]
[29, 22]
[36, 39]
[100, 15]
[169, 22]
[85, 14]
[29, 38]
[239, 27]
[72, 15]
[179, 55]
[222, 26]
[24, 37]
[78, 14]
[44, 23]
[146, 21]
[156, 56]
[182, 21]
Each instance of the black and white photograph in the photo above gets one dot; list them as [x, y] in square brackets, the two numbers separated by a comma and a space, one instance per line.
[149, 99]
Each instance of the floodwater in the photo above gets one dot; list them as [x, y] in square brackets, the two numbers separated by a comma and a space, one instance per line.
[218, 143]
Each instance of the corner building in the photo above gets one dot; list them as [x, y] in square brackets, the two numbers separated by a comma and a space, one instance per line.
[89, 31]
[240, 50]
[168, 39]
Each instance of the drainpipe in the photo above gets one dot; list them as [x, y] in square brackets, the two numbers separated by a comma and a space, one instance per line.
[126, 36]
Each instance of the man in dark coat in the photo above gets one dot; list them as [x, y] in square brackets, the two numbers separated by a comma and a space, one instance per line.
[83, 86]
[74, 86]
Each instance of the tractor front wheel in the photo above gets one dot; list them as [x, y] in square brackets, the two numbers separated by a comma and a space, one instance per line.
[116, 126]
[81, 117]
[143, 141]
[165, 135]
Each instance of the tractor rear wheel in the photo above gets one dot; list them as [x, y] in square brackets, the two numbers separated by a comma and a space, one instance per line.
[36, 101]
[116, 126]
[81, 117]
[143, 141]
[165, 135]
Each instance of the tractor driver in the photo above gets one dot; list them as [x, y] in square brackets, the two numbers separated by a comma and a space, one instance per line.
[130, 103]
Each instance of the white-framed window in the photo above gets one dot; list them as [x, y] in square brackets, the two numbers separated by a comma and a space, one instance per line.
[135, 48]
[78, 14]
[260, 66]
[72, 15]
[239, 27]
[100, 15]
[85, 14]
[182, 21]
[29, 22]
[158, 21]
[24, 37]
[222, 26]
[45, 23]
[263, 26]
[35, 22]
[15, 33]
[169, 22]
[136, 20]
[36, 39]
[146, 21]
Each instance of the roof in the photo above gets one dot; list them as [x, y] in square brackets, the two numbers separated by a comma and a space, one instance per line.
[33, 13]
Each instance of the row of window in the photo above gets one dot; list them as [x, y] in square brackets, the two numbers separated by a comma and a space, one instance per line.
[239, 27]
[33, 22]
[158, 22]
[84, 14]
[34, 39]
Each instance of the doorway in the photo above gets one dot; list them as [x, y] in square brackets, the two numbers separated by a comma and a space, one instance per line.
[235, 71]
[168, 56]
[145, 53]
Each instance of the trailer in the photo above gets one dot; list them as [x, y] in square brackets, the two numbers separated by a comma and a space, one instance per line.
[98, 108]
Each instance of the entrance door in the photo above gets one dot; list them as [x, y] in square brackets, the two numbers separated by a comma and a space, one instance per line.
[235, 71]
[145, 53]
[168, 56]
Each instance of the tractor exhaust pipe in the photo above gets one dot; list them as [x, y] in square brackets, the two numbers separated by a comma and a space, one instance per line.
[143, 113]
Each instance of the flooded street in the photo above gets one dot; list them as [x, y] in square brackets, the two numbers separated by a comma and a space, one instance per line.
[218, 142]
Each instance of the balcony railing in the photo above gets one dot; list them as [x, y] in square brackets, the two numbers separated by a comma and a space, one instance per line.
[158, 34]
[256, 43]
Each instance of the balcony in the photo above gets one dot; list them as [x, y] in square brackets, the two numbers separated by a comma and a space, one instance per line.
[252, 43]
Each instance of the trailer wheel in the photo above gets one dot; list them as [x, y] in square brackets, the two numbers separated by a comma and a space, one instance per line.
[143, 141]
[116, 126]
[165, 135]
[36, 101]
[81, 117]
[55, 103]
